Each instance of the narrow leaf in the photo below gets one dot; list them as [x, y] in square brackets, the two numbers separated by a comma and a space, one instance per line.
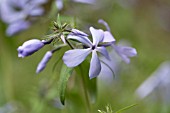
[59, 21]
[126, 108]
[64, 76]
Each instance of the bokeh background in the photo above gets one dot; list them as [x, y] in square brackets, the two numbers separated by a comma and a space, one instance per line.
[145, 24]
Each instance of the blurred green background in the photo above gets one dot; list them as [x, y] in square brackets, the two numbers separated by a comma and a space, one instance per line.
[144, 23]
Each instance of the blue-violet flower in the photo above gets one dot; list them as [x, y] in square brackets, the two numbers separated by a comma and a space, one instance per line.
[29, 47]
[16, 13]
[74, 57]
[123, 51]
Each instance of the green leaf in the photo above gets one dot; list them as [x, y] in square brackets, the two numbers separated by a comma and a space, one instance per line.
[59, 21]
[126, 108]
[64, 76]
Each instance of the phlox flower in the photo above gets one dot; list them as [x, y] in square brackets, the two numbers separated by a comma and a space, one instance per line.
[74, 57]
[59, 3]
[15, 13]
[123, 51]
[157, 83]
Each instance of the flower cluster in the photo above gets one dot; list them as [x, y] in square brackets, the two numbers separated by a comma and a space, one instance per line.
[18, 14]
[72, 58]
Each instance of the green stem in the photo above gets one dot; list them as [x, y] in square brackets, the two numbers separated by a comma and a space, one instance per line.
[85, 91]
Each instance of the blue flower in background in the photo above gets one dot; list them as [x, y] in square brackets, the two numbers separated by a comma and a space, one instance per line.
[157, 84]
[74, 57]
[59, 3]
[15, 13]
[123, 51]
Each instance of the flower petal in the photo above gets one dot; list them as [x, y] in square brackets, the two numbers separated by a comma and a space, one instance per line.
[97, 35]
[74, 57]
[103, 51]
[85, 1]
[78, 32]
[59, 4]
[101, 21]
[36, 11]
[38, 2]
[17, 27]
[80, 36]
[95, 66]
[108, 37]
[125, 52]
[129, 51]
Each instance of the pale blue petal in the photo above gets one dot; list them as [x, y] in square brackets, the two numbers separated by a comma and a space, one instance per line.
[38, 2]
[36, 11]
[85, 1]
[8, 14]
[97, 35]
[74, 57]
[101, 21]
[103, 51]
[80, 36]
[17, 27]
[129, 51]
[78, 32]
[59, 4]
[125, 52]
[108, 37]
[95, 66]
[158, 79]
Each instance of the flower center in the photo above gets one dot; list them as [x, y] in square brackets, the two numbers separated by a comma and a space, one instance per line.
[93, 47]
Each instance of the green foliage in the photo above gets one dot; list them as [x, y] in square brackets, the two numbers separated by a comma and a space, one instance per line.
[109, 109]
[62, 84]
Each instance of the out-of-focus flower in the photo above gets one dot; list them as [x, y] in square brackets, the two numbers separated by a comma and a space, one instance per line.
[158, 83]
[110, 68]
[85, 1]
[17, 27]
[74, 57]
[60, 4]
[18, 12]
[29, 47]
[123, 51]
[44, 61]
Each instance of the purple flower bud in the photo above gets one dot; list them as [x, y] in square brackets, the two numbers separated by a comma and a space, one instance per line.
[44, 61]
[29, 47]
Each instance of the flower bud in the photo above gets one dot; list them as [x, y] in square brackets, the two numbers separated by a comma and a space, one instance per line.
[44, 61]
[29, 47]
